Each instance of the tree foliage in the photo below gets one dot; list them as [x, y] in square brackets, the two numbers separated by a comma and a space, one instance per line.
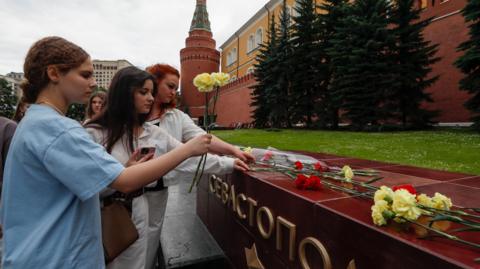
[364, 62]
[413, 57]
[8, 100]
[469, 62]
[265, 62]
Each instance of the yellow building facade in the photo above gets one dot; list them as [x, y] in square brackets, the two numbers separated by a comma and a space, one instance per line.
[239, 51]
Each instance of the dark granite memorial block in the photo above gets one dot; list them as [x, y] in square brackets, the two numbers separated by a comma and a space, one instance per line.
[471, 182]
[464, 196]
[330, 225]
[202, 204]
[425, 173]
[393, 246]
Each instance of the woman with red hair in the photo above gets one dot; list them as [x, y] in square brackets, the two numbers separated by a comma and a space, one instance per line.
[181, 127]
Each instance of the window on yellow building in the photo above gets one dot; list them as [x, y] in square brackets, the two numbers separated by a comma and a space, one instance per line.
[250, 43]
[259, 37]
[232, 56]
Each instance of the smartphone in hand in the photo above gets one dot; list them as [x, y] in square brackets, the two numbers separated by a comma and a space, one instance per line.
[145, 151]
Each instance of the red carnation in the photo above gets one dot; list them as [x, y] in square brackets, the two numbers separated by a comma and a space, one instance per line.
[313, 183]
[320, 167]
[407, 187]
[300, 181]
[298, 165]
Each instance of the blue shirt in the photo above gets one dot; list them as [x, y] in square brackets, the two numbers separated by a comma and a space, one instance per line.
[50, 209]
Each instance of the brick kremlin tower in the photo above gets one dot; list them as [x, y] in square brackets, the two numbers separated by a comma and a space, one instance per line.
[198, 56]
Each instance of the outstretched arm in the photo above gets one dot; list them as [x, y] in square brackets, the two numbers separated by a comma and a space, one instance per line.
[137, 176]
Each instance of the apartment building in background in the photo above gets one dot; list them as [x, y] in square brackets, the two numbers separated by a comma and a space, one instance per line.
[104, 70]
[14, 79]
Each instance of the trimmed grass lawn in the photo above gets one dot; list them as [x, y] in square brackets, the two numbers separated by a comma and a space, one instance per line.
[451, 149]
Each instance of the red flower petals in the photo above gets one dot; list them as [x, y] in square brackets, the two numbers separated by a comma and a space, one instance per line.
[298, 165]
[268, 155]
[407, 187]
[313, 183]
[300, 181]
[303, 182]
[320, 167]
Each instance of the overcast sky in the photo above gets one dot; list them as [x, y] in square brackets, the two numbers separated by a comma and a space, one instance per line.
[141, 31]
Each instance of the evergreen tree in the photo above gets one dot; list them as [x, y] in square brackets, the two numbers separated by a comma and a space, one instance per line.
[469, 63]
[8, 100]
[413, 57]
[265, 63]
[305, 76]
[362, 68]
[329, 99]
[100, 88]
[278, 97]
[76, 112]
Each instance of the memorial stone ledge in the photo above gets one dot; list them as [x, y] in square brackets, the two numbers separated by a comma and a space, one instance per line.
[261, 220]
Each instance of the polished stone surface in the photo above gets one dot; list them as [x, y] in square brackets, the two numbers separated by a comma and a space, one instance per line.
[341, 222]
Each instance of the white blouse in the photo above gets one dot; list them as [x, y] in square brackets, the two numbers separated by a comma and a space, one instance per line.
[178, 124]
[153, 136]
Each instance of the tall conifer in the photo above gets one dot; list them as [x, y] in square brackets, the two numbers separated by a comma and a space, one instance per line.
[265, 62]
[413, 57]
[469, 63]
[328, 104]
[362, 68]
[305, 76]
[279, 96]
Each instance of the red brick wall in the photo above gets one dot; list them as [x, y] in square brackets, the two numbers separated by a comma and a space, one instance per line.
[448, 32]
[233, 103]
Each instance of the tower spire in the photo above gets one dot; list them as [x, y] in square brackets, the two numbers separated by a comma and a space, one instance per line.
[200, 17]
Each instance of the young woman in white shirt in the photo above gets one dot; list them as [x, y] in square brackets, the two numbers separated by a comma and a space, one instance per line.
[122, 129]
[179, 125]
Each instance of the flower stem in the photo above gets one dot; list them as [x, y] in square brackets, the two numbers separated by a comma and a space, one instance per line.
[204, 156]
[196, 174]
[447, 235]
[215, 97]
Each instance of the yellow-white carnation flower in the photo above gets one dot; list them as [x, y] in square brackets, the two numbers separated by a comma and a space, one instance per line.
[347, 172]
[404, 205]
[220, 78]
[377, 212]
[440, 201]
[384, 193]
[424, 200]
[204, 82]
[247, 150]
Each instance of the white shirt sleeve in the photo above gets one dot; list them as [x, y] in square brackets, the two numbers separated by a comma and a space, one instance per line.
[189, 128]
[214, 165]
[96, 134]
